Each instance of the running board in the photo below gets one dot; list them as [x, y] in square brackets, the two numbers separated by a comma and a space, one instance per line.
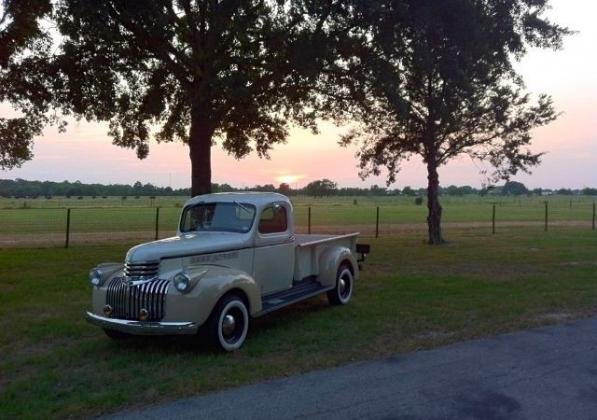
[300, 291]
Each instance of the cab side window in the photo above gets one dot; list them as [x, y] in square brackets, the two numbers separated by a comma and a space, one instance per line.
[273, 219]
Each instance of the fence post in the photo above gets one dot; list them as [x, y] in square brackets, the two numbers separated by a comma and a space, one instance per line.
[546, 212]
[493, 219]
[377, 223]
[67, 239]
[593, 226]
[309, 220]
[157, 222]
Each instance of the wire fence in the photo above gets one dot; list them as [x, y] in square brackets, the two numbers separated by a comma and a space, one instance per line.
[102, 225]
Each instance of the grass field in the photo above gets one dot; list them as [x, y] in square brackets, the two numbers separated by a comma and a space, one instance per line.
[411, 296]
[559, 201]
[97, 220]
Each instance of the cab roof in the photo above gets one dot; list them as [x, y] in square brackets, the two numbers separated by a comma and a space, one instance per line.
[257, 198]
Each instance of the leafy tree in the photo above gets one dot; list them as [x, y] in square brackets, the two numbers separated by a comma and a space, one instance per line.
[377, 190]
[222, 188]
[284, 188]
[564, 191]
[265, 187]
[451, 190]
[196, 71]
[459, 191]
[408, 191]
[137, 187]
[21, 41]
[514, 188]
[436, 79]
[320, 188]
[20, 25]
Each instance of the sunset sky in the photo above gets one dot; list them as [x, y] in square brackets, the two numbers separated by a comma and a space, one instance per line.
[85, 151]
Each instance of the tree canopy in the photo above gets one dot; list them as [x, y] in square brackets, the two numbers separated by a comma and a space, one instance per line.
[22, 42]
[196, 71]
[514, 188]
[193, 71]
[321, 187]
[436, 79]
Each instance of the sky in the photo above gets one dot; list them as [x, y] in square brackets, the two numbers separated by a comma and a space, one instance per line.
[85, 151]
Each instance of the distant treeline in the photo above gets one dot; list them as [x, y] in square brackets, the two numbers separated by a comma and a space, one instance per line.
[20, 188]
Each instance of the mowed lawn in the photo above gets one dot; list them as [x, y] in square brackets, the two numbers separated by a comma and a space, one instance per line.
[411, 296]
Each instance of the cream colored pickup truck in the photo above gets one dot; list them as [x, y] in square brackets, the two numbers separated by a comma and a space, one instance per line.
[235, 257]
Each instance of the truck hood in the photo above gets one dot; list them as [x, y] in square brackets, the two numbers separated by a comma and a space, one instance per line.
[188, 244]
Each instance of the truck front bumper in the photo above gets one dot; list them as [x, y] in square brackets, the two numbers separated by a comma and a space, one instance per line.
[142, 328]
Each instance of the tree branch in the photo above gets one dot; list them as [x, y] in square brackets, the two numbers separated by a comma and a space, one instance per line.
[157, 49]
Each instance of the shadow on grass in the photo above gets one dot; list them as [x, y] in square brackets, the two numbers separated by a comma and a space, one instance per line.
[198, 344]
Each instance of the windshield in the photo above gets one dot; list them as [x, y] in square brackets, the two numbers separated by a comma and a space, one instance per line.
[223, 217]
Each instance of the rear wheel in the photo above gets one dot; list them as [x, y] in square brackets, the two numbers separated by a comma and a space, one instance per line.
[342, 293]
[228, 324]
[116, 335]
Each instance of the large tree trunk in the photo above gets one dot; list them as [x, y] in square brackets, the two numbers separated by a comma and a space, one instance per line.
[434, 216]
[200, 152]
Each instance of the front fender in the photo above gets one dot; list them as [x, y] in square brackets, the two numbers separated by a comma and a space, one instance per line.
[329, 262]
[197, 305]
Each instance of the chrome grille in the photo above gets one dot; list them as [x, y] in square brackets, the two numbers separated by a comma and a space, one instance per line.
[127, 300]
[143, 270]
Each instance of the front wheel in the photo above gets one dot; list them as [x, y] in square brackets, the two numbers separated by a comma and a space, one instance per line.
[228, 324]
[342, 293]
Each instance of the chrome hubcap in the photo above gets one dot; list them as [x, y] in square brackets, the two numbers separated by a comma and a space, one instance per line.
[342, 286]
[234, 323]
[228, 325]
[345, 285]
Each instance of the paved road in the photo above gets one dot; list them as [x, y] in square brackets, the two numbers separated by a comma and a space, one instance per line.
[545, 373]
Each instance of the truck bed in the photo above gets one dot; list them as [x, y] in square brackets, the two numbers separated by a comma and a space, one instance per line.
[304, 240]
[309, 248]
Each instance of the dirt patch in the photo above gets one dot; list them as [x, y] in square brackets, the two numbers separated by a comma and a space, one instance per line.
[578, 263]
[553, 317]
[58, 239]
[396, 228]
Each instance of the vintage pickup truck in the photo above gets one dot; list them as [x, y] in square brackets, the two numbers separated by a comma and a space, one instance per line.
[235, 256]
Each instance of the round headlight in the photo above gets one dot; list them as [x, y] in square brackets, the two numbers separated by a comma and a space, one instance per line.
[95, 277]
[181, 282]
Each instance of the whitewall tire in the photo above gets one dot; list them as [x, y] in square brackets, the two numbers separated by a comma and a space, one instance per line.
[342, 293]
[229, 323]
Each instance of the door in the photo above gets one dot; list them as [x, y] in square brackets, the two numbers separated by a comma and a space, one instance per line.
[274, 250]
